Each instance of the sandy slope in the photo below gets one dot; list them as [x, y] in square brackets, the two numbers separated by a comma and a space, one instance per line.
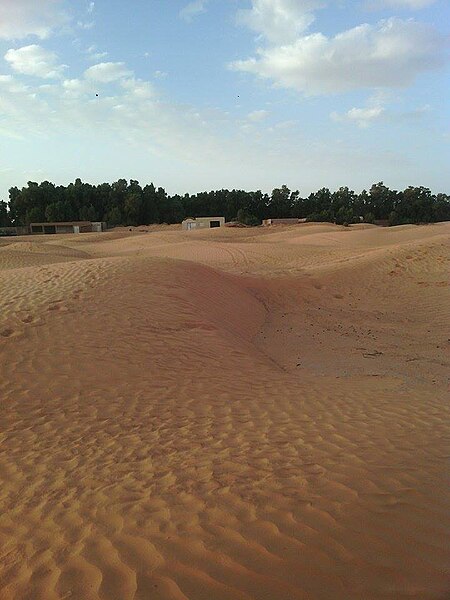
[231, 414]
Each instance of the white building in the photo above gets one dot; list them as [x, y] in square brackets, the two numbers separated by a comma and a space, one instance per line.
[203, 223]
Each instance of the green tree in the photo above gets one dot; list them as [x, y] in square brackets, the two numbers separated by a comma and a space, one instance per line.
[123, 202]
[5, 220]
[150, 213]
[342, 202]
[55, 212]
[132, 209]
[163, 205]
[88, 213]
[246, 218]
[441, 208]
[381, 201]
[344, 215]
[114, 217]
[34, 215]
[256, 204]
[280, 203]
[416, 205]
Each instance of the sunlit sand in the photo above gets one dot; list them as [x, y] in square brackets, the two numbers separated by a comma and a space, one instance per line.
[229, 414]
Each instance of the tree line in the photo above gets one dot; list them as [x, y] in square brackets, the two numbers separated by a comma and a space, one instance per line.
[128, 203]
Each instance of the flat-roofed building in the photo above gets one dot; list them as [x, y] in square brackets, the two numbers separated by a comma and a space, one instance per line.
[66, 227]
[7, 231]
[98, 226]
[268, 222]
[202, 223]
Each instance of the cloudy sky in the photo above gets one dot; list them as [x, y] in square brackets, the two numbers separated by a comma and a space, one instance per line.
[225, 93]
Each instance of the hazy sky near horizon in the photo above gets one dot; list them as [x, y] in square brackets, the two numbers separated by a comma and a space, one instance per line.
[225, 93]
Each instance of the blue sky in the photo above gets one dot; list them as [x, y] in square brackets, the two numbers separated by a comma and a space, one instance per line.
[231, 93]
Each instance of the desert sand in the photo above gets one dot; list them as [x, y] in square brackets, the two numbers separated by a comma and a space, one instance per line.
[229, 414]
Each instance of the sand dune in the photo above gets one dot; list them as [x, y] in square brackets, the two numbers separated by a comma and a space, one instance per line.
[229, 414]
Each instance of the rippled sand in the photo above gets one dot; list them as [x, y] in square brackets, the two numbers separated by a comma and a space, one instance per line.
[230, 414]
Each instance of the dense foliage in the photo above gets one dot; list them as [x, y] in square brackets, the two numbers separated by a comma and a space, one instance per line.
[123, 203]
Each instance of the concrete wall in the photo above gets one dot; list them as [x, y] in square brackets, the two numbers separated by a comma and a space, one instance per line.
[41, 229]
[66, 228]
[281, 222]
[203, 223]
[7, 231]
[69, 227]
[98, 226]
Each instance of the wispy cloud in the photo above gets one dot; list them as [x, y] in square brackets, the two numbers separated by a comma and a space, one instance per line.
[402, 4]
[89, 22]
[94, 54]
[279, 21]
[85, 24]
[193, 9]
[257, 115]
[21, 18]
[363, 117]
[377, 110]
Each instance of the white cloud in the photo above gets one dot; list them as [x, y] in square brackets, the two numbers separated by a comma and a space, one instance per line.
[131, 113]
[64, 119]
[20, 18]
[406, 4]
[138, 88]
[34, 60]
[98, 56]
[279, 21]
[133, 88]
[21, 109]
[363, 117]
[10, 84]
[85, 24]
[107, 72]
[177, 142]
[257, 115]
[94, 54]
[389, 54]
[377, 110]
[88, 24]
[193, 9]
[78, 87]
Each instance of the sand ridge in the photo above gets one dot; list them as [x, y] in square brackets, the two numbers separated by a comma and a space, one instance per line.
[255, 414]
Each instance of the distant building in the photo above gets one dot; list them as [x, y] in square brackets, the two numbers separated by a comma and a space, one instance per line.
[268, 222]
[382, 222]
[7, 231]
[66, 227]
[99, 226]
[202, 223]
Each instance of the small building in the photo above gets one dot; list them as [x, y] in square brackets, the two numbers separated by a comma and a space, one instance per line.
[66, 227]
[7, 231]
[268, 222]
[202, 223]
[382, 222]
[98, 226]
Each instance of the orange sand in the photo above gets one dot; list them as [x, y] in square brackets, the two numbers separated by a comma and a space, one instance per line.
[230, 414]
